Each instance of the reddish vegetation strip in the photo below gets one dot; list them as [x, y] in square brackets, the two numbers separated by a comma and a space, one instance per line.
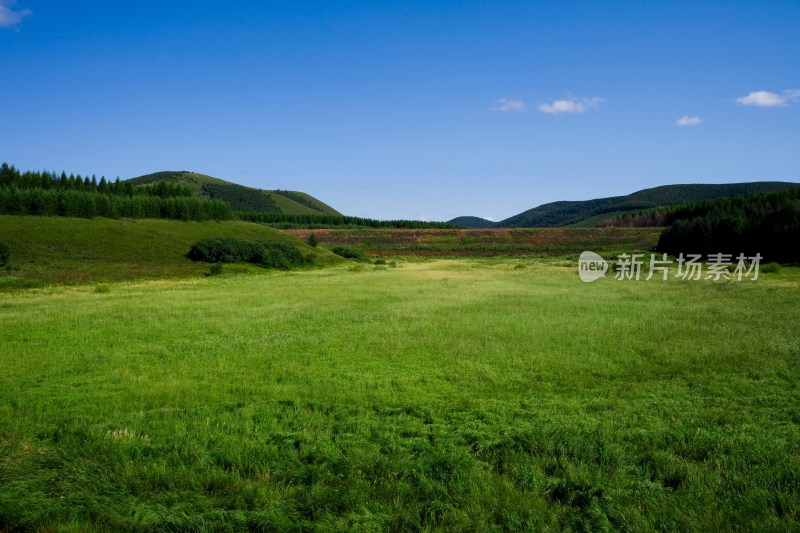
[432, 242]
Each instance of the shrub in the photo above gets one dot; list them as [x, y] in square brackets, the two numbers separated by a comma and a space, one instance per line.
[5, 254]
[280, 255]
[269, 254]
[380, 261]
[225, 250]
[771, 268]
[216, 269]
[349, 252]
[312, 240]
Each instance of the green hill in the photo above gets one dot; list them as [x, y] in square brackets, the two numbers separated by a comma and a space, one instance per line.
[239, 197]
[471, 222]
[589, 212]
[73, 250]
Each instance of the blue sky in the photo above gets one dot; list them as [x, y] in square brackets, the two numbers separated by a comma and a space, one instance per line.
[407, 109]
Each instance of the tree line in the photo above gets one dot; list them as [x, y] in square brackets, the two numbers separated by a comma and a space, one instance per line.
[11, 177]
[327, 221]
[48, 194]
[651, 218]
[82, 204]
[766, 223]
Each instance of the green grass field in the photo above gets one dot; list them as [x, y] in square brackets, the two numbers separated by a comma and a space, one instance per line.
[47, 250]
[463, 395]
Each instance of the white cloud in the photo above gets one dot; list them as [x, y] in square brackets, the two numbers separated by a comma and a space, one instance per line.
[686, 120]
[763, 99]
[792, 95]
[571, 105]
[510, 104]
[8, 16]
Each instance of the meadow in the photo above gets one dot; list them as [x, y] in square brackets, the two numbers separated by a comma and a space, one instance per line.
[453, 395]
[486, 242]
[63, 250]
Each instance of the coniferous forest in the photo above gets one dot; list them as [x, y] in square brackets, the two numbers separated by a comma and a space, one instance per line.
[50, 194]
[768, 224]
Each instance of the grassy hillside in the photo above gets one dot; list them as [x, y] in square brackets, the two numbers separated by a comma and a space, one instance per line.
[589, 212]
[471, 222]
[69, 250]
[241, 198]
[558, 214]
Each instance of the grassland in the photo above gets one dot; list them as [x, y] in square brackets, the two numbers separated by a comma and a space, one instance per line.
[487, 242]
[462, 395]
[46, 250]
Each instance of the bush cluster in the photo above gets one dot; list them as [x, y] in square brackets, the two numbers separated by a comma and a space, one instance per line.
[349, 252]
[269, 254]
[5, 254]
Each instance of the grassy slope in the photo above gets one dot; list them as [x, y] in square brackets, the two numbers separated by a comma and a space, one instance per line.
[308, 200]
[290, 207]
[51, 249]
[196, 181]
[193, 180]
[435, 396]
[584, 213]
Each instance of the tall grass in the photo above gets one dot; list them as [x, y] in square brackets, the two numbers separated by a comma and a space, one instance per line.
[461, 395]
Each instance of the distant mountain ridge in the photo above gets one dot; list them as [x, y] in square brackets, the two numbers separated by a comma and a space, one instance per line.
[240, 197]
[588, 213]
